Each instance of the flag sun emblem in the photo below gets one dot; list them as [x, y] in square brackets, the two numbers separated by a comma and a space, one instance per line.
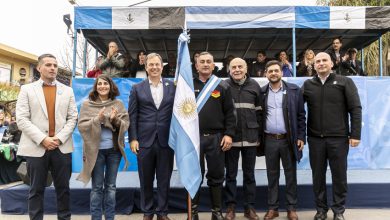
[187, 108]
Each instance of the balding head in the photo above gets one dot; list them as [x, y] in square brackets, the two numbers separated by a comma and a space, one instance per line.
[238, 68]
[323, 64]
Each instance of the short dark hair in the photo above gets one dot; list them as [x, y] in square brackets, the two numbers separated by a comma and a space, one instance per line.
[273, 62]
[337, 38]
[193, 55]
[45, 55]
[114, 91]
[262, 52]
[206, 53]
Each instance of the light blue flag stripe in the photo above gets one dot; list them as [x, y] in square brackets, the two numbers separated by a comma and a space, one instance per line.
[187, 160]
[239, 10]
[93, 18]
[312, 17]
[184, 63]
[239, 24]
[204, 95]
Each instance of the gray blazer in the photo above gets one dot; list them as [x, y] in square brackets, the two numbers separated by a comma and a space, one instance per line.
[33, 121]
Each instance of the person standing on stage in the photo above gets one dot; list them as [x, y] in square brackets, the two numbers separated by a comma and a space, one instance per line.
[216, 125]
[283, 137]
[46, 114]
[150, 110]
[102, 124]
[334, 122]
[246, 96]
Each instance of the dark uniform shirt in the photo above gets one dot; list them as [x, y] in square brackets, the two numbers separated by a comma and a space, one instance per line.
[217, 114]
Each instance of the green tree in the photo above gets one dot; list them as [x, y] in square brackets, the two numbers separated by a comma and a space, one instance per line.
[371, 58]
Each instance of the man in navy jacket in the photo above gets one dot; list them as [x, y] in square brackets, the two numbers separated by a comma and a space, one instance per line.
[150, 110]
[283, 137]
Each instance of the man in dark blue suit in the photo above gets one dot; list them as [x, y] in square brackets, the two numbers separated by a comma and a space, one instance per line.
[150, 110]
[283, 136]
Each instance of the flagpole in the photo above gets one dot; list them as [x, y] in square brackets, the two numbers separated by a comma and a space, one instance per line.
[189, 207]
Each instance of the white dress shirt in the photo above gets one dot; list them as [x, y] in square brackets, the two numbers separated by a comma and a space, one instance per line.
[157, 92]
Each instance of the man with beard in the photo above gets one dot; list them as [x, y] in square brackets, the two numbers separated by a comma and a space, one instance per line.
[216, 126]
[246, 96]
[334, 122]
[283, 137]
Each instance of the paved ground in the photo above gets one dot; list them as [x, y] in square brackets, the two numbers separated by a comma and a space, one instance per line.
[350, 214]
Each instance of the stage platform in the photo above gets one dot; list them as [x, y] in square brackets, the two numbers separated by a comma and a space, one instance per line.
[367, 189]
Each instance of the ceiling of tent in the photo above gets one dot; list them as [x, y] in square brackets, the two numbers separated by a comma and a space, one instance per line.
[223, 42]
[237, 31]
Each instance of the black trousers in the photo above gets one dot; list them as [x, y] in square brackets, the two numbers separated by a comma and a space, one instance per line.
[155, 161]
[335, 151]
[210, 148]
[276, 150]
[60, 166]
[248, 160]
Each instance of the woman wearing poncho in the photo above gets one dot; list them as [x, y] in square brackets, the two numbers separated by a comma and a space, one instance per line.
[102, 124]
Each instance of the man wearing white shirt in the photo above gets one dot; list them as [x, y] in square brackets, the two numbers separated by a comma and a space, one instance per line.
[150, 111]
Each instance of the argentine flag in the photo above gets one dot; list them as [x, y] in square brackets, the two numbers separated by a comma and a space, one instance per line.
[184, 130]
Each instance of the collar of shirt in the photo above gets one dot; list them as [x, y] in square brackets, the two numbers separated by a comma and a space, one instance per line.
[280, 89]
[323, 80]
[42, 83]
[151, 83]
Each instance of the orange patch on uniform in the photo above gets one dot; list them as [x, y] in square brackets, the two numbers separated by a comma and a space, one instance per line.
[216, 94]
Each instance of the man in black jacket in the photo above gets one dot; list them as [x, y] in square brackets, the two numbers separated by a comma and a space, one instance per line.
[337, 54]
[330, 100]
[246, 96]
[216, 125]
[352, 66]
[283, 137]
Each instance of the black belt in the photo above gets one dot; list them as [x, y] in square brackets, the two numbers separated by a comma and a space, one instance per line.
[276, 136]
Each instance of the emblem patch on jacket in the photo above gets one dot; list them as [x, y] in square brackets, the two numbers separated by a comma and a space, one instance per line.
[216, 94]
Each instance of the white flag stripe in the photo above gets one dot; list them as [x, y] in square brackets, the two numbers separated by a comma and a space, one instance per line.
[239, 17]
[190, 125]
[204, 94]
[347, 17]
[130, 18]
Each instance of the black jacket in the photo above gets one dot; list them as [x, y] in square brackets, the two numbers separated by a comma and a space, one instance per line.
[349, 69]
[329, 106]
[247, 102]
[336, 67]
[218, 113]
[293, 113]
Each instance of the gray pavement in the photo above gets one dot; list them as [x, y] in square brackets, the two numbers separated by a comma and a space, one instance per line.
[350, 214]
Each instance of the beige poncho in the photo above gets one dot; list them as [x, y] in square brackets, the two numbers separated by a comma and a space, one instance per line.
[90, 129]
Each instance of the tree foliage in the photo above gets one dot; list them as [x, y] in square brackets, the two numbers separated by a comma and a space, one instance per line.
[371, 58]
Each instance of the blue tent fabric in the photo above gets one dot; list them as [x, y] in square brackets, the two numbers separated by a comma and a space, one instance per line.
[372, 152]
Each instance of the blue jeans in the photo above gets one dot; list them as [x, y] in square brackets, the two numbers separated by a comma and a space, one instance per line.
[104, 173]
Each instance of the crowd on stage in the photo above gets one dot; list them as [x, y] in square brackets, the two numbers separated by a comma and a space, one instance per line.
[124, 66]
[237, 118]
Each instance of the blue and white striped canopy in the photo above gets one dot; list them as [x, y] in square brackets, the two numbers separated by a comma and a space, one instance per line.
[315, 17]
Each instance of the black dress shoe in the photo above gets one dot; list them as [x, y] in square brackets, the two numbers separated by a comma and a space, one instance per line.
[320, 216]
[338, 216]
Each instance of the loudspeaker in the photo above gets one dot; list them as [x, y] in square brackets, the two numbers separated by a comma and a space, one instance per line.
[22, 172]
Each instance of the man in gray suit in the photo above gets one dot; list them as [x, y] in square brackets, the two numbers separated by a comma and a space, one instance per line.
[46, 114]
